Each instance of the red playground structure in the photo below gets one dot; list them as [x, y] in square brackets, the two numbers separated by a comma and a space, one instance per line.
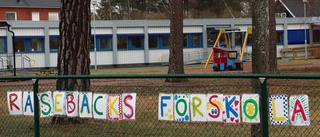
[226, 59]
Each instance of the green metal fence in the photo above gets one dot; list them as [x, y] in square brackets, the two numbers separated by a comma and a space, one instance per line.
[148, 88]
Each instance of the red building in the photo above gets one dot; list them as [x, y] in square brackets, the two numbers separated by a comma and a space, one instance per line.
[35, 10]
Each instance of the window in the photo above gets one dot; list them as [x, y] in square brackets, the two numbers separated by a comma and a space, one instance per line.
[166, 40]
[153, 42]
[249, 40]
[54, 43]
[316, 36]
[33, 44]
[20, 45]
[196, 40]
[11, 16]
[222, 41]
[92, 43]
[279, 37]
[137, 42]
[192, 40]
[159, 41]
[35, 16]
[239, 38]
[36, 44]
[2, 45]
[53, 16]
[122, 42]
[104, 42]
[185, 40]
[130, 42]
[212, 36]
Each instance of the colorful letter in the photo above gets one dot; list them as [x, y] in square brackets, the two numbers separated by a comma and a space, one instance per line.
[299, 110]
[165, 111]
[114, 107]
[85, 104]
[72, 103]
[28, 103]
[231, 109]
[250, 108]
[59, 103]
[198, 107]
[129, 105]
[45, 99]
[181, 102]
[14, 100]
[278, 109]
[214, 107]
[99, 106]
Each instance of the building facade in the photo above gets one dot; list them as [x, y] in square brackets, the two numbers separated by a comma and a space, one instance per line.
[140, 41]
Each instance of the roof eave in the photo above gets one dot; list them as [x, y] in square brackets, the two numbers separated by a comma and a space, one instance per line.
[285, 6]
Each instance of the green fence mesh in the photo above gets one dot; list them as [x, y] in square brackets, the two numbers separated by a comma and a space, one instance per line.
[146, 122]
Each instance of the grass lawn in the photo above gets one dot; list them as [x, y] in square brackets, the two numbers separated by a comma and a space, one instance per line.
[147, 123]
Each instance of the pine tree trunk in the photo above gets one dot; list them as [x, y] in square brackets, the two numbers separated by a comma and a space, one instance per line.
[74, 46]
[264, 59]
[176, 41]
[272, 40]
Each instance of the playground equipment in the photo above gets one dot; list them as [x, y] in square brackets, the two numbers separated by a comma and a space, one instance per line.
[226, 58]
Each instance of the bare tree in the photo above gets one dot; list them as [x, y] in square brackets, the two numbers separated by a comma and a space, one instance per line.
[176, 41]
[74, 45]
[263, 46]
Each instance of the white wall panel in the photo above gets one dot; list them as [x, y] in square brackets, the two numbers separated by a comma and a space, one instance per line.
[130, 56]
[279, 27]
[53, 59]
[159, 30]
[54, 31]
[130, 30]
[102, 30]
[297, 26]
[103, 58]
[3, 32]
[28, 32]
[192, 29]
[155, 55]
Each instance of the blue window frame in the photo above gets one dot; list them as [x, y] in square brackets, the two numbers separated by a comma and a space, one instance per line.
[130, 42]
[3, 45]
[104, 42]
[159, 41]
[192, 40]
[29, 44]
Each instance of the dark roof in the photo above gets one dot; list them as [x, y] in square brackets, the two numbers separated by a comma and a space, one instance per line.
[31, 3]
[296, 7]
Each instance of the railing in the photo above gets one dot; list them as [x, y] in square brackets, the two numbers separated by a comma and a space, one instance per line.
[148, 105]
[189, 57]
[2, 65]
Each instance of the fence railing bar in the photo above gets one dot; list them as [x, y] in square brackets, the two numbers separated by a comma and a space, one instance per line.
[36, 108]
[123, 76]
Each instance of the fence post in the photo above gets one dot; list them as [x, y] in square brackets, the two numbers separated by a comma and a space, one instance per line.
[264, 105]
[36, 108]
